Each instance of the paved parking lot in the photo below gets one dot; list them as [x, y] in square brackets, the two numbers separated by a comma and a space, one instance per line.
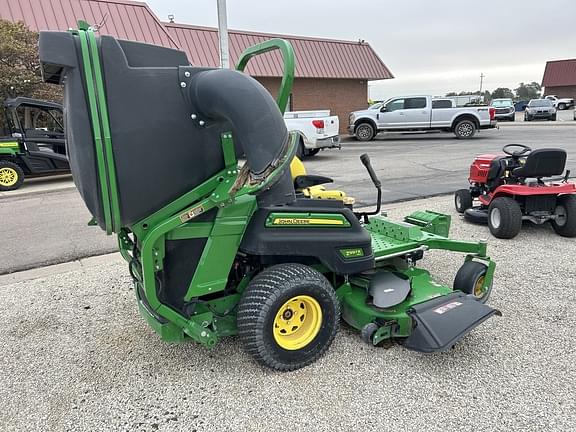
[42, 229]
[77, 356]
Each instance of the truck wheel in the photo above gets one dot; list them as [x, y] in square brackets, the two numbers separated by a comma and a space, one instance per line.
[11, 176]
[364, 132]
[288, 316]
[561, 106]
[301, 150]
[462, 200]
[565, 222]
[311, 152]
[470, 280]
[504, 218]
[465, 129]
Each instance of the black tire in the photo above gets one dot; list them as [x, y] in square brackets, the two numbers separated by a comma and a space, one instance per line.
[462, 200]
[261, 304]
[504, 218]
[527, 118]
[469, 279]
[11, 176]
[566, 206]
[367, 333]
[311, 152]
[561, 106]
[364, 132]
[465, 129]
[301, 150]
[513, 118]
[553, 118]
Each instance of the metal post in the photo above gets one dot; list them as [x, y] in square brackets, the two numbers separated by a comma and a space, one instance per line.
[481, 79]
[223, 34]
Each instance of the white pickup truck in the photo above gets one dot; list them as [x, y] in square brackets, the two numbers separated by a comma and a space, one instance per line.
[420, 113]
[561, 104]
[318, 130]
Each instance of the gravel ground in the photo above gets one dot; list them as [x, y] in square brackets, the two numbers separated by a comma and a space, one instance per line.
[76, 356]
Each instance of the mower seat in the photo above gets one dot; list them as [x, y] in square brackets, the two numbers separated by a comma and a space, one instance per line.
[496, 172]
[545, 162]
[311, 186]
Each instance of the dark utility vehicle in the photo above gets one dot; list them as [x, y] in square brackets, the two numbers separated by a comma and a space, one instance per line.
[31, 141]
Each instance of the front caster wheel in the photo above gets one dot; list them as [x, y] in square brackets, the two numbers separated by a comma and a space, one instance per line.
[462, 200]
[565, 222]
[288, 316]
[470, 280]
[504, 218]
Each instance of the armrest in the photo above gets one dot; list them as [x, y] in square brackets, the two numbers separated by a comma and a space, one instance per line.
[306, 181]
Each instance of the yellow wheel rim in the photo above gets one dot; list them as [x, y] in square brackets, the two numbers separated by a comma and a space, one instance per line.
[297, 322]
[8, 176]
[479, 287]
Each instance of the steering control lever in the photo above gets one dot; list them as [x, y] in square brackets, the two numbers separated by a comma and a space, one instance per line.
[365, 159]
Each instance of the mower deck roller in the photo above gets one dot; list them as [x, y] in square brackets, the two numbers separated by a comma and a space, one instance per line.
[215, 249]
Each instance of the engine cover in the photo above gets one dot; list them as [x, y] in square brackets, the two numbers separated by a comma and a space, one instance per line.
[480, 168]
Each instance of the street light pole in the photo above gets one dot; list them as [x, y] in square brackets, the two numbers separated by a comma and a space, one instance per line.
[481, 79]
[223, 34]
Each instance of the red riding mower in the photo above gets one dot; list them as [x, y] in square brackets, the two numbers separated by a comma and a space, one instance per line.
[509, 189]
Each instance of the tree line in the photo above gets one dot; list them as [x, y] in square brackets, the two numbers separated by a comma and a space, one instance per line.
[524, 91]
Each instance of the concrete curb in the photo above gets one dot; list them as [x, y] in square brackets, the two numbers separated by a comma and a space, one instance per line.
[25, 193]
[70, 266]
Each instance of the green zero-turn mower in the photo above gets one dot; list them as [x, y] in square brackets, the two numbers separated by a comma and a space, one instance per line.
[217, 250]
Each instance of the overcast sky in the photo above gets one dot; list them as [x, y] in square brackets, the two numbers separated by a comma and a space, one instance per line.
[431, 46]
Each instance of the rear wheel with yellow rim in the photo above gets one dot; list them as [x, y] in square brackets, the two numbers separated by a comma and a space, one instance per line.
[288, 316]
[470, 279]
[11, 176]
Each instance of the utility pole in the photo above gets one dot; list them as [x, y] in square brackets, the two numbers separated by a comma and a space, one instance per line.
[223, 34]
[482, 76]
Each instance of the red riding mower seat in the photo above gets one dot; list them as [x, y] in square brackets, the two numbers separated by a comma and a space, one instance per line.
[546, 162]
[506, 196]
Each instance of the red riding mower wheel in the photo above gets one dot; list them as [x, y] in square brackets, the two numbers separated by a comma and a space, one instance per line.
[504, 218]
[565, 222]
[462, 200]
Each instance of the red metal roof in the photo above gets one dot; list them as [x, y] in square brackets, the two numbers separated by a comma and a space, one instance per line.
[123, 18]
[126, 19]
[560, 73]
[315, 58]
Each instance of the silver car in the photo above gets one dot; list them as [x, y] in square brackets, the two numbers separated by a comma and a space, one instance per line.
[540, 109]
[504, 109]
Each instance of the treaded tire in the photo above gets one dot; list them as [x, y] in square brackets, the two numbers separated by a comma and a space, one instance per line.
[568, 228]
[300, 150]
[509, 223]
[311, 152]
[263, 298]
[364, 132]
[465, 129]
[462, 200]
[468, 276]
[4, 164]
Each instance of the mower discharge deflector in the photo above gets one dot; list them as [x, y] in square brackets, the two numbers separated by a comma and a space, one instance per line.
[441, 322]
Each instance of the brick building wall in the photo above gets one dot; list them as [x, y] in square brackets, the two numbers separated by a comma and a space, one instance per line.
[561, 91]
[340, 96]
